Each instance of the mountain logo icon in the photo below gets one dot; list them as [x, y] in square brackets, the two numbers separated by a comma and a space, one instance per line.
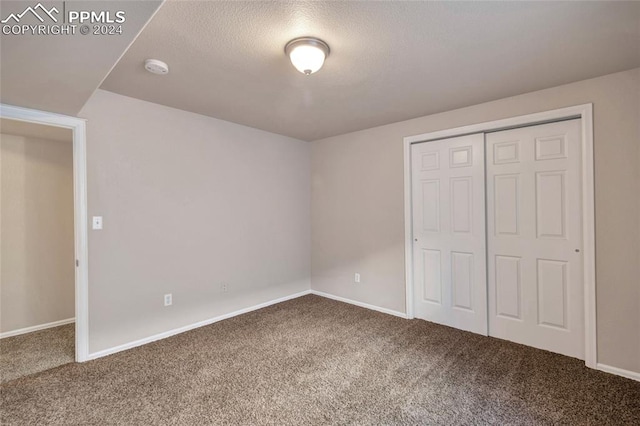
[34, 11]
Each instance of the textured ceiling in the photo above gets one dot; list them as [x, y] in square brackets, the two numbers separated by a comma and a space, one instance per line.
[59, 73]
[33, 130]
[389, 61]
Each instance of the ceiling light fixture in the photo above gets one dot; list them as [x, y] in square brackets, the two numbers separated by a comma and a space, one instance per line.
[307, 54]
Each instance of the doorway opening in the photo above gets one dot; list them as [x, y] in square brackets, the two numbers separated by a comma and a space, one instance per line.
[37, 264]
[43, 253]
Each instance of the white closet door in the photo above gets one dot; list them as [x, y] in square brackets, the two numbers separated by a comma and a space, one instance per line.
[449, 232]
[534, 228]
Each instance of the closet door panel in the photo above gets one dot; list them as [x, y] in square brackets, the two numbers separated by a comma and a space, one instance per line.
[534, 236]
[449, 246]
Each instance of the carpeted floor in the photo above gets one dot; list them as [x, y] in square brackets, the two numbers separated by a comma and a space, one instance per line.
[316, 361]
[35, 352]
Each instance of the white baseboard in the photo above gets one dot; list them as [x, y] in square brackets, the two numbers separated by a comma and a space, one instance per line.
[602, 367]
[619, 371]
[361, 304]
[36, 328]
[179, 330]
[199, 324]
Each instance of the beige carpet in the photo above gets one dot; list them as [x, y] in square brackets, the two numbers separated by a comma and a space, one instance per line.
[316, 361]
[35, 352]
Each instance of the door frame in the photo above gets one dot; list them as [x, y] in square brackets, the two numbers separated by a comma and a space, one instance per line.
[80, 220]
[583, 112]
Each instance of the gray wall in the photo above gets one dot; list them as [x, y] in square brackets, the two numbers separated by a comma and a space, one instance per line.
[189, 202]
[36, 231]
[357, 204]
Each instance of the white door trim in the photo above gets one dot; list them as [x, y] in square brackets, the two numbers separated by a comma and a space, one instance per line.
[585, 113]
[78, 127]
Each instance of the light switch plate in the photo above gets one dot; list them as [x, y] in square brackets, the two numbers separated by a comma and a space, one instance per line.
[97, 222]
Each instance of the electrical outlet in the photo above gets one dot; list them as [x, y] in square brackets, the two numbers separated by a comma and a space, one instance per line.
[224, 287]
[356, 278]
[168, 299]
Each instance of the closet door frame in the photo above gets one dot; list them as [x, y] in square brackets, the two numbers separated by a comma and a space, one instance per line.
[585, 114]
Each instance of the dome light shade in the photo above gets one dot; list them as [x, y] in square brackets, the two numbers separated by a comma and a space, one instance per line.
[307, 54]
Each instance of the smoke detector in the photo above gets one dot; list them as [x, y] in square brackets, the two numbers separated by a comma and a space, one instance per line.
[156, 67]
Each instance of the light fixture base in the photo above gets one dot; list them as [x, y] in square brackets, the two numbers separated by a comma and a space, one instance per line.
[308, 41]
[301, 53]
